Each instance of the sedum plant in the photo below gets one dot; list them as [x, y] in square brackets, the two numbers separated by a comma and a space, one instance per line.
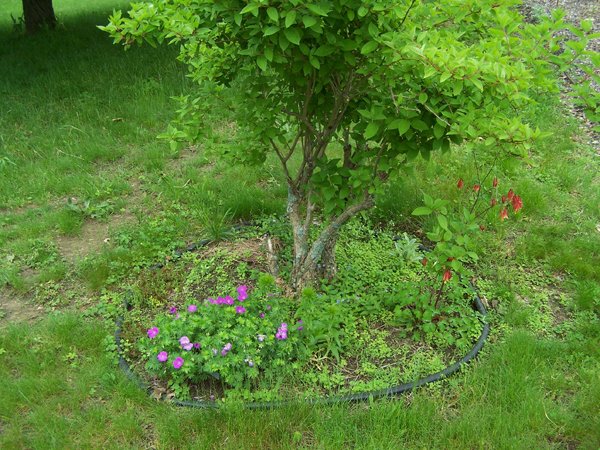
[344, 92]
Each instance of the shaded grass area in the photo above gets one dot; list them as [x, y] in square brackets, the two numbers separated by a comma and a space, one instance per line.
[79, 117]
[61, 390]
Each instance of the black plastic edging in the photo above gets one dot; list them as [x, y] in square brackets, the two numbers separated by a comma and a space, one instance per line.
[364, 396]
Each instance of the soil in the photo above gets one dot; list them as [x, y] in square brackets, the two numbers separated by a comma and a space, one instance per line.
[14, 308]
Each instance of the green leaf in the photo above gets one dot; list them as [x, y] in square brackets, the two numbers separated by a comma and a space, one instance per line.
[443, 222]
[422, 211]
[270, 30]
[309, 21]
[324, 50]
[249, 8]
[402, 125]
[369, 47]
[371, 130]
[290, 19]
[317, 9]
[261, 62]
[273, 14]
[292, 35]
[373, 30]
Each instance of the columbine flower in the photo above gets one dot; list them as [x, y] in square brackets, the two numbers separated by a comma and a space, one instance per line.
[424, 262]
[178, 362]
[460, 183]
[481, 227]
[447, 275]
[162, 356]
[476, 188]
[152, 332]
[185, 343]
[494, 202]
[510, 194]
[517, 203]
[173, 310]
[242, 294]
[503, 214]
[240, 309]
[192, 308]
[504, 199]
[495, 182]
[226, 349]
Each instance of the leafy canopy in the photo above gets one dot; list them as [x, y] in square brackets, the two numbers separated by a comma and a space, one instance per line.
[386, 79]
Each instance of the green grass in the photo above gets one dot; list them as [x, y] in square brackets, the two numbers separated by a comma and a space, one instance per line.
[79, 117]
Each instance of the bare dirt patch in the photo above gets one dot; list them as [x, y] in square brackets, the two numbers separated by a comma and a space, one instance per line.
[14, 308]
[94, 235]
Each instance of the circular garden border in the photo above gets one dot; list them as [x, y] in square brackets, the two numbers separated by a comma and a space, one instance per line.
[363, 396]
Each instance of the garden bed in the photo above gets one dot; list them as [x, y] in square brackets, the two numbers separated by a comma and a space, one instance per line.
[230, 331]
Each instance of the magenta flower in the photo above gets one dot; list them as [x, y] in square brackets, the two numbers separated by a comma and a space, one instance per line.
[192, 308]
[172, 310]
[162, 356]
[240, 309]
[152, 332]
[226, 349]
[282, 332]
[229, 300]
[185, 343]
[212, 301]
[178, 362]
[261, 315]
[242, 294]
[196, 345]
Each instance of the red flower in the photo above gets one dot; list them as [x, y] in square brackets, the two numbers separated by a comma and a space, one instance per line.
[476, 188]
[495, 182]
[424, 261]
[447, 275]
[493, 202]
[517, 203]
[481, 227]
[503, 214]
[450, 259]
[460, 183]
[510, 195]
[504, 199]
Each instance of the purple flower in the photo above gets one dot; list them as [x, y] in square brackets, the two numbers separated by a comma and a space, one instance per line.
[178, 362]
[261, 337]
[300, 328]
[220, 300]
[268, 307]
[261, 315]
[196, 345]
[300, 325]
[249, 362]
[242, 294]
[240, 309]
[162, 356]
[282, 332]
[152, 332]
[192, 308]
[185, 343]
[172, 310]
[283, 326]
[212, 300]
[229, 300]
[226, 349]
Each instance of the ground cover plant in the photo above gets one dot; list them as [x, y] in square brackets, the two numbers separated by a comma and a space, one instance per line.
[537, 270]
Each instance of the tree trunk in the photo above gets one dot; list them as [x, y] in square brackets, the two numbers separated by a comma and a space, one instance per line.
[315, 261]
[38, 14]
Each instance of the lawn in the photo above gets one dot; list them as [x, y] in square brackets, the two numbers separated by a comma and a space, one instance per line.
[89, 198]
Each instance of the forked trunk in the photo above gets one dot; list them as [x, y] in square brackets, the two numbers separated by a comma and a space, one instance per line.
[38, 14]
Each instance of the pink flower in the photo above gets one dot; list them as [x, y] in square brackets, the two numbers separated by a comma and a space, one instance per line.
[185, 343]
[240, 309]
[192, 308]
[242, 292]
[162, 357]
[152, 332]
[178, 362]
[226, 349]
